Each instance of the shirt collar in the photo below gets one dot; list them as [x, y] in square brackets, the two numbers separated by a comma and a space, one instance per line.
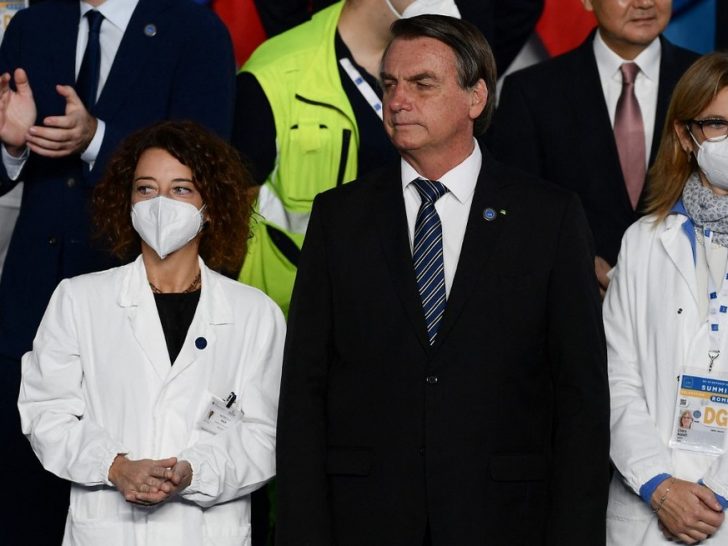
[609, 62]
[460, 180]
[117, 12]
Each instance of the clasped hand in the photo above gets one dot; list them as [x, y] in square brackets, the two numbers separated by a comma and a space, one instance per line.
[689, 512]
[148, 481]
[58, 136]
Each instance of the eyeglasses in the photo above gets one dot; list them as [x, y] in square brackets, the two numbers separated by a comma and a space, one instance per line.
[713, 129]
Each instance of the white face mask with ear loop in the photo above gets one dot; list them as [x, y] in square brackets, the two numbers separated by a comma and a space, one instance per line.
[422, 7]
[712, 159]
[166, 224]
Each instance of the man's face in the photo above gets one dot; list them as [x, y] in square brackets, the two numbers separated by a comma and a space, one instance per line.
[628, 26]
[425, 109]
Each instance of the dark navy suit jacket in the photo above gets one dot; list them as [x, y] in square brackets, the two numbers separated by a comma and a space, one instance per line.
[552, 121]
[174, 62]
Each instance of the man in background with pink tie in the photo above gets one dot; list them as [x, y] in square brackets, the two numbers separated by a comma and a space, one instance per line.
[591, 120]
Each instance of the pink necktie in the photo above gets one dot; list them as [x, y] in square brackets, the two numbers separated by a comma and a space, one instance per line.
[629, 132]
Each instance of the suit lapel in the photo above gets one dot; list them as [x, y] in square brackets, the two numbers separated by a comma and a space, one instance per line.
[391, 221]
[63, 33]
[480, 238]
[133, 51]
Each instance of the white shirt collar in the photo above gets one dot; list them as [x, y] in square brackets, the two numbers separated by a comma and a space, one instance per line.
[460, 180]
[117, 12]
[609, 62]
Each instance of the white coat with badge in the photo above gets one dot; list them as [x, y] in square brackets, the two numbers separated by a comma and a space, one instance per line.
[655, 325]
[99, 382]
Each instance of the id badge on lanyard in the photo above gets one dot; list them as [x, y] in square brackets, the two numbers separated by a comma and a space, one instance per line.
[701, 409]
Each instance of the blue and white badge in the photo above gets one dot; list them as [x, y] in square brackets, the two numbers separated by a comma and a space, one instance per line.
[701, 413]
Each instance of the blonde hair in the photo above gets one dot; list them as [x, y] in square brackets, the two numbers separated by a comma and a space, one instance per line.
[693, 93]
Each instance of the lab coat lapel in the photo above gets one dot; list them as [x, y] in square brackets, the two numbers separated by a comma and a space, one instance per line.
[212, 311]
[677, 246]
[136, 296]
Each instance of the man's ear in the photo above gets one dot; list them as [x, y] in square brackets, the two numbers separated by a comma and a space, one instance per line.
[478, 98]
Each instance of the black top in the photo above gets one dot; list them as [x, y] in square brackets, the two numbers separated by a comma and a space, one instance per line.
[254, 131]
[175, 313]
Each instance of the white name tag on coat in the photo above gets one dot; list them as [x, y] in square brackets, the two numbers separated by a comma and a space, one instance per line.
[218, 416]
[701, 413]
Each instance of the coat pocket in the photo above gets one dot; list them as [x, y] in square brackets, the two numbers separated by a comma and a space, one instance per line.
[109, 532]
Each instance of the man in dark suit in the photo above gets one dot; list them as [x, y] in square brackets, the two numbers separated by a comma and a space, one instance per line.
[557, 119]
[156, 59]
[441, 385]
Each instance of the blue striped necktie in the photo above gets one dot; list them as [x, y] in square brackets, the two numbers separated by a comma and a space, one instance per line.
[427, 255]
[87, 83]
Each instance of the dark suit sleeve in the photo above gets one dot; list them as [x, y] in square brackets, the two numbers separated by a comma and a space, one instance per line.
[303, 507]
[577, 354]
[9, 59]
[254, 127]
[514, 137]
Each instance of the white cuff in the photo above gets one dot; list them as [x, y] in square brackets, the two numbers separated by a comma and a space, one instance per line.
[13, 165]
[91, 152]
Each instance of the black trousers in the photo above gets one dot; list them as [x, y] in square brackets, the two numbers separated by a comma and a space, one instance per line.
[36, 502]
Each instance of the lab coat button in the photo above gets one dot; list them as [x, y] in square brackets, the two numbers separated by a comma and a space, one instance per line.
[200, 343]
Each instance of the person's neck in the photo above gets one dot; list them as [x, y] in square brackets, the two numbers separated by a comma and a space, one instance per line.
[176, 272]
[94, 3]
[365, 31]
[434, 165]
[625, 50]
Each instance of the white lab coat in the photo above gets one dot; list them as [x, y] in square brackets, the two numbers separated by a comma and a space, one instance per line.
[99, 382]
[655, 325]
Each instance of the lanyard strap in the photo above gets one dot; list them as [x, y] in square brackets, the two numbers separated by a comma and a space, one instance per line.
[717, 306]
[362, 85]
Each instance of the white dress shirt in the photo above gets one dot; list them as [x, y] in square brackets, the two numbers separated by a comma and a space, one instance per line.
[645, 86]
[453, 208]
[117, 14]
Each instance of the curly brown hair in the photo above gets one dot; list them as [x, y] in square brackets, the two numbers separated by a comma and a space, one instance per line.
[218, 174]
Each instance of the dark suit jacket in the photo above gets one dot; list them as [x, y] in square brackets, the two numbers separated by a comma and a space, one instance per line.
[496, 435]
[185, 71]
[552, 121]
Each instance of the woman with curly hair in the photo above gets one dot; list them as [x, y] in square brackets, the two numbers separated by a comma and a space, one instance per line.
[153, 387]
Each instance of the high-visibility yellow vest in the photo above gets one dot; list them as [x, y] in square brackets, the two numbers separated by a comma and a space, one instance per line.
[317, 141]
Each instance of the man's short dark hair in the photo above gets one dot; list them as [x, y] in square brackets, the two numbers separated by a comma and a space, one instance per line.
[473, 54]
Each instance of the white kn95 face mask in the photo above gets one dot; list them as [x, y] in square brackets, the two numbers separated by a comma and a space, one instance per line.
[422, 7]
[166, 224]
[712, 159]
